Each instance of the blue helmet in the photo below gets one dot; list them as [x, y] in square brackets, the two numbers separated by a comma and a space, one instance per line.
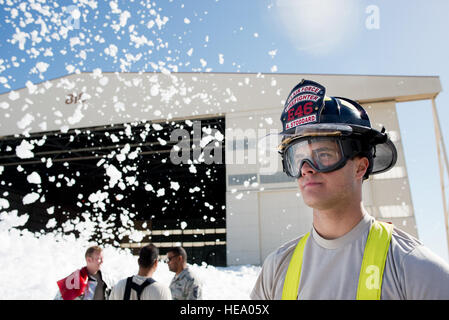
[308, 113]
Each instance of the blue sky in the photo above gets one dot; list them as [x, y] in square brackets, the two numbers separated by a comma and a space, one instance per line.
[283, 36]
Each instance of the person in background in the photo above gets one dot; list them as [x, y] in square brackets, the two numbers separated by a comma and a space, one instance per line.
[185, 285]
[87, 283]
[142, 286]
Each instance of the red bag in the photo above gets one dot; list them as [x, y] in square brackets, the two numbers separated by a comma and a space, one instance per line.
[73, 285]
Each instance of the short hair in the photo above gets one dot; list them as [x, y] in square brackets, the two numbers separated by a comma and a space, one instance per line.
[148, 255]
[179, 251]
[91, 251]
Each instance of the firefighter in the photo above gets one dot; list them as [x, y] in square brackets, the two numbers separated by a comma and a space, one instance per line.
[330, 147]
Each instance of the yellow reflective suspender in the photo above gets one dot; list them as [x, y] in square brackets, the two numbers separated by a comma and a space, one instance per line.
[291, 282]
[373, 263]
[371, 271]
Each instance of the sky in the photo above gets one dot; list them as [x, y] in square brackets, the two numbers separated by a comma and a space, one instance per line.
[44, 40]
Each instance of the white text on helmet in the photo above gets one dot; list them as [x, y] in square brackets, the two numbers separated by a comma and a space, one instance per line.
[312, 89]
[303, 120]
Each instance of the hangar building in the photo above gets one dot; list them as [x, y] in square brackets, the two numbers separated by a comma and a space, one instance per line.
[178, 157]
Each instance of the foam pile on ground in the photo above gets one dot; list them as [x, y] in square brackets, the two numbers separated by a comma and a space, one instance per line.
[32, 264]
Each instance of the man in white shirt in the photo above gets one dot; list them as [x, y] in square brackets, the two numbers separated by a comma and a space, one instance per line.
[329, 146]
[142, 286]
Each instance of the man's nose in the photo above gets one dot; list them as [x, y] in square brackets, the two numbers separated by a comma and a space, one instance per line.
[306, 168]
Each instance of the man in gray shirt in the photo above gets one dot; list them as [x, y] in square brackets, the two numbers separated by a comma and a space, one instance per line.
[329, 146]
[185, 285]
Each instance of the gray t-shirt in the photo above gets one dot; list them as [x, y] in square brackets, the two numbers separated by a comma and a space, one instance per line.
[331, 268]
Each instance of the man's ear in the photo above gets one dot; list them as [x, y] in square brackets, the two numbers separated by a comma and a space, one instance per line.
[362, 165]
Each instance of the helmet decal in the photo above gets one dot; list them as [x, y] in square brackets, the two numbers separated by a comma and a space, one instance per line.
[303, 105]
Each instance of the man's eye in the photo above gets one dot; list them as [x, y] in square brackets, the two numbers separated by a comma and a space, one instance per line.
[324, 155]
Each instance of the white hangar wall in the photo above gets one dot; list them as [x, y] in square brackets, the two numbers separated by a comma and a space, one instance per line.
[263, 209]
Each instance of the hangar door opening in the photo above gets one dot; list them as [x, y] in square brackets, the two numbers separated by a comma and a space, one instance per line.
[125, 185]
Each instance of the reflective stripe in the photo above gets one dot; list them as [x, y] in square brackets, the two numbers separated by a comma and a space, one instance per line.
[371, 271]
[373, 263]
[291, 283]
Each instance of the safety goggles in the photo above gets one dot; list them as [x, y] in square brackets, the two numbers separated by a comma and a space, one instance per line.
[323, 154]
